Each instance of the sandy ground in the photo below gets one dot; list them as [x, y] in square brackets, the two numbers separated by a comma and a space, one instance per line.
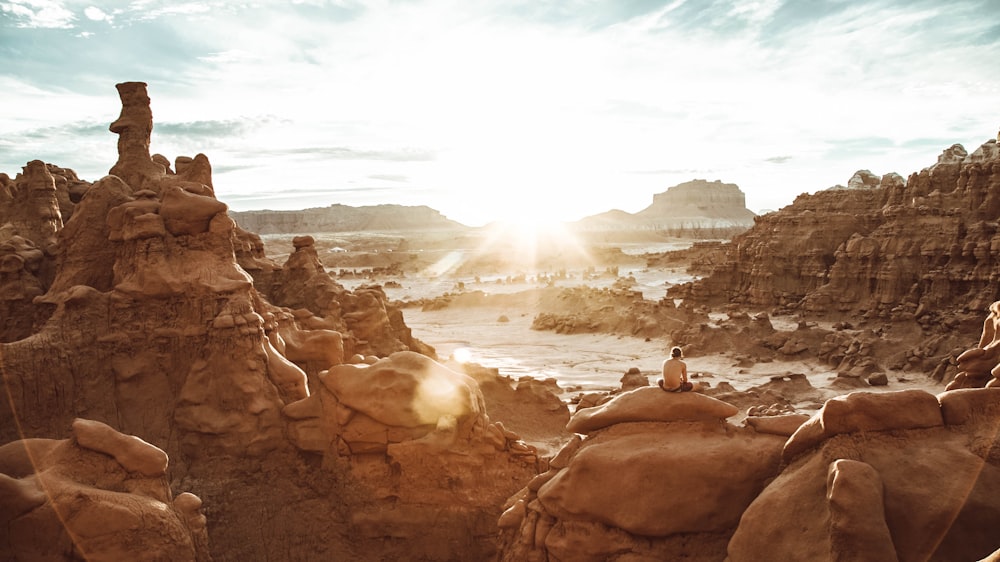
[596, 362]
[585, 362]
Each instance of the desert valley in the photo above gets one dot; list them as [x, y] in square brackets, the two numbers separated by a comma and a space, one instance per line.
[186, 382]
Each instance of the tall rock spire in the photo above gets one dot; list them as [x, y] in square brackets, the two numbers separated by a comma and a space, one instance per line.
[135, 124]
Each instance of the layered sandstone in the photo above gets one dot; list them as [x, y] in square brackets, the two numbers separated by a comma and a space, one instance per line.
[878, 247]
[913, 260]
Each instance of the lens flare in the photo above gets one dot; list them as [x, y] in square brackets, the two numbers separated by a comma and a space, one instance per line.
[462, 355]
[437, 395]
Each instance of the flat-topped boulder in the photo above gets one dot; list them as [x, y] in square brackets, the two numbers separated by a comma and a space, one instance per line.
[651, 404]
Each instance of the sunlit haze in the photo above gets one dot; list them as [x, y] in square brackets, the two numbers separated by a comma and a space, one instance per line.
[523, 111]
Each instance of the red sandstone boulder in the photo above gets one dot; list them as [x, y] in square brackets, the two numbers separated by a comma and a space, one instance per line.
[650, 404]
[890, 481]
[415, 435]
[641, 488]
[100, 495]
[863, 411]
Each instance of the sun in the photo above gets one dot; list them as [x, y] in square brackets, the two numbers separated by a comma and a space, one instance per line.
[533, 243]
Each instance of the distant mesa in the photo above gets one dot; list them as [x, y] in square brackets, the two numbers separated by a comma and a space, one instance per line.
[697, 209]
[345, 218]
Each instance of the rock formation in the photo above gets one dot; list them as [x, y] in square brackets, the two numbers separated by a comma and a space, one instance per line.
[895, 476]
[902, 475]
[581, 310]
[980, 366]
[150, 311]
[98, 495]
[918, 255]
[30, 220]
[656, 476]
[873, 245]
[694, 209]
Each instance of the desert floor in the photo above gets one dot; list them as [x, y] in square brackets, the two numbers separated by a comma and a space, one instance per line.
[501, 336]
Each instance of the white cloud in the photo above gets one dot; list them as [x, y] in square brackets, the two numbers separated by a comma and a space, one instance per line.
[180, 8]
[94, 13]
[536, 100]
[39, 14]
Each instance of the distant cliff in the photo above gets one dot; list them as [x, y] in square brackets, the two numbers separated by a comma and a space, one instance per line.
[884, 248]
[344, 218]
[696, 209]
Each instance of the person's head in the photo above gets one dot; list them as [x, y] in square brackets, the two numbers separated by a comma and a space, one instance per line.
[676, 352]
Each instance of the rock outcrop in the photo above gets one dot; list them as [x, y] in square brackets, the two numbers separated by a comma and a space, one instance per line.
[915, 259]
[980, 366]
[895, 476]
[884, 247]
[681, 477]
[30, 220]
[694, 209]
[151, 312]
[902, 475]
[416, 435]
[98, 495]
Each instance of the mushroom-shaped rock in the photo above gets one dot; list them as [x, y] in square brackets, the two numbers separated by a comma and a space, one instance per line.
[651, 404]
[405, 389]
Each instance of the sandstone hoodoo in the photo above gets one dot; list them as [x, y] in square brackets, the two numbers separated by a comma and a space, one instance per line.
[142, 307]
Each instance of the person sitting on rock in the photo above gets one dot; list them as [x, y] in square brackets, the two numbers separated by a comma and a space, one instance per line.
[675, 373]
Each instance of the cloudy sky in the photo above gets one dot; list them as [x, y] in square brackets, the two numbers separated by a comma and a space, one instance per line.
[487, 109]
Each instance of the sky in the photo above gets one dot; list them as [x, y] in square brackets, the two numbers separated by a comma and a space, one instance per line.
[489, 110]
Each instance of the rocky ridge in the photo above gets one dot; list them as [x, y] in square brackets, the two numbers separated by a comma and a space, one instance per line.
[345, 218]
[914, 262]
[878, 247]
